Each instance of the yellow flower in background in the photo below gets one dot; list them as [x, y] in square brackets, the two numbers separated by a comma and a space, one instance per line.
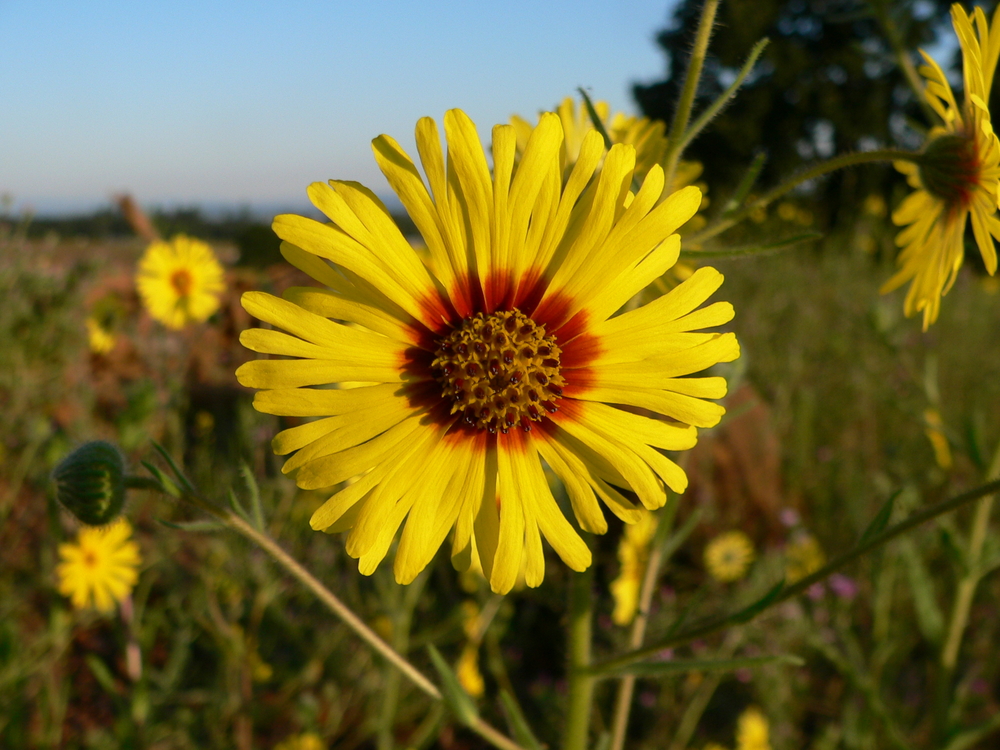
[956, 179]
[304, 741]
[752, 730]
[505, 355]
[180, 281]
[647, 136]
[935, 434]
[714, 746]
[728, 556]
[99, 338]
[100, 568]
[803, 557]
[467, 669]
[633, 554]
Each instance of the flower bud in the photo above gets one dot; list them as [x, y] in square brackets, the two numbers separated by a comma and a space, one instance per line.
[90, 482]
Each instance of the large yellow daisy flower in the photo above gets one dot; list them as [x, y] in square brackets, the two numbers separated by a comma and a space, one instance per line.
[956, 178]
[498, 352]
[101, 568]
[180, 281]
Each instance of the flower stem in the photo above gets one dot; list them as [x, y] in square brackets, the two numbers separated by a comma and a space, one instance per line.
[626, 688]
[322, 593]
[817, 170]
[691, 78]
[581, 684]
[720, 623]
[964, 596]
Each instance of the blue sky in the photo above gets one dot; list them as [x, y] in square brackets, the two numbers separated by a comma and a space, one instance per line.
[246, 103]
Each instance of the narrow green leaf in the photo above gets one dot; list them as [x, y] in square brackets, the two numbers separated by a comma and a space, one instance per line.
[881, 520]
[196, 526]
[972, 737]
[237, 506]
[458, 701]
[748, 613]
[747, 250]
[673, 666]
[256, 509]
[746, 184]
[930, 619]
[595, 118]
[675, 540]
[518, 724]
[185, 483]
[102, 674]
[696, 599]
[603, 741]
[166, 483]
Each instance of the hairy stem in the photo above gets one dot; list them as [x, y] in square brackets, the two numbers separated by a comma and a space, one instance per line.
[691, 78]
[817, 170]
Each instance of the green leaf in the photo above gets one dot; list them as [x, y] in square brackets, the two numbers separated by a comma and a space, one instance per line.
[166, 483]
[237, 506]
[256, 509]
[746, 184]
[185, 483]
[746, 250]
[595, 119]
[954, 550]
[518, 724]
[972, 737]
[930, 619]
[881, 520]
[458, 701]
[748, 613]
[673, 666]
[102, 674]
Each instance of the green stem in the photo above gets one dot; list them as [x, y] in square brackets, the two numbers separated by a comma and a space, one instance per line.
[903, 59]
[402, 621]
[817, 170]
[720, 623]
[341, 610]
[691, 78]
[581, 685]
[964, 595]
[626, 688]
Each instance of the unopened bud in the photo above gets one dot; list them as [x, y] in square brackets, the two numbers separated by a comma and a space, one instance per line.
[90, 483]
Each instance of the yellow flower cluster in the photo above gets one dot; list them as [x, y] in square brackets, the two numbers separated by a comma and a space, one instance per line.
[633, 554]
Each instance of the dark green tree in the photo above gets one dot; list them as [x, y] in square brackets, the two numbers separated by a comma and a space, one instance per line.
[828, 83]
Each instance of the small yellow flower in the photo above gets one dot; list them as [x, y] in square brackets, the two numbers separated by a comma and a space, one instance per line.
[633, 553]
[803, 557]
[180, 281]
[935, 433]
[99, 338]
[752, 730]
[101, 568]
[468, 671]
[728, 556]
[304, 741]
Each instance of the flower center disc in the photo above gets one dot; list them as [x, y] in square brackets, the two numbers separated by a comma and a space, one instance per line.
[182, 282]
[949, 169]
[500, 370]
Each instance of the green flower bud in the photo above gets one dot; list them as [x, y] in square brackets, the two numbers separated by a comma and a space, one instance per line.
[90, 482]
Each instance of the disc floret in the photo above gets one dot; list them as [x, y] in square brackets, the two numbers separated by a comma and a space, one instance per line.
[949, 169]
[500, 370]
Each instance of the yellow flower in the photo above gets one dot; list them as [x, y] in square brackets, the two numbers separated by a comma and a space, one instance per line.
[752, 730]
[647, 136]
[956, 178]
[728, 556]
[99, 338]
[507, 354]
[304, 741]
[803, 557]
[935, 434]
[180, 281]
[633, 553]
[101, 568]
